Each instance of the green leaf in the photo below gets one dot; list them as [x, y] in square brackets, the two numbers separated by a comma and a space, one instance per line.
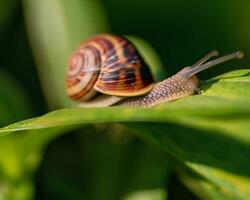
[19, 154]
[96, 161]
[147, 167]
[232, 85]
[150, 57]
[54, 42]
[55, 29]
[153, 194]
[14, 105]
[208, 133]
[202, 187]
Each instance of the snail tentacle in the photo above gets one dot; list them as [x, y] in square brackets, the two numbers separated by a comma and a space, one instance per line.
[110, 65]
[183, 84]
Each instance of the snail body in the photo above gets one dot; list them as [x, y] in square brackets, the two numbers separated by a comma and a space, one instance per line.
[108, 70]
[167, 90]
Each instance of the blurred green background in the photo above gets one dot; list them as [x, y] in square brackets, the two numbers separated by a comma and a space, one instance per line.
[37, 38]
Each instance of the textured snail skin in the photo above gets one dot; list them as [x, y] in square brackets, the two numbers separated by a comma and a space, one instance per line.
[167, 90]
[111, 66]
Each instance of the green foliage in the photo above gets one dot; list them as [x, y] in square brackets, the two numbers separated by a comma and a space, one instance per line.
[150, 56]
[20, 154]
[184, 128]
[56, 28]
[202, 140]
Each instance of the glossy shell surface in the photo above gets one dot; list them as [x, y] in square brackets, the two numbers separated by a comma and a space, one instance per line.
[110, 65]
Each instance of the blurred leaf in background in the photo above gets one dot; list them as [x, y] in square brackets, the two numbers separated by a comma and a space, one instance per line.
[34, 151]
[16, 59]
[56, 28]
[19, 154]
[206, 136]
[100, 166]
[14, 106]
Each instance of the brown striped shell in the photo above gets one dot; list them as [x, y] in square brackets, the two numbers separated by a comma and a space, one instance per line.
[107, 64]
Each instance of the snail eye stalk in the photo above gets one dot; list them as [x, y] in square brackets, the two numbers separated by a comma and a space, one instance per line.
[206, 58]
[202, 65]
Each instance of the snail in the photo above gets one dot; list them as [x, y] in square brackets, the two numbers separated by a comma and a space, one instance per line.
[107, 70]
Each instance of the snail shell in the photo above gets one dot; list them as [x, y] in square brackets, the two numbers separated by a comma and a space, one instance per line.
[108, 64]
[111, 65]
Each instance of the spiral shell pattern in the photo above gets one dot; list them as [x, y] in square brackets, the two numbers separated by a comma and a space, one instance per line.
[108, 64]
